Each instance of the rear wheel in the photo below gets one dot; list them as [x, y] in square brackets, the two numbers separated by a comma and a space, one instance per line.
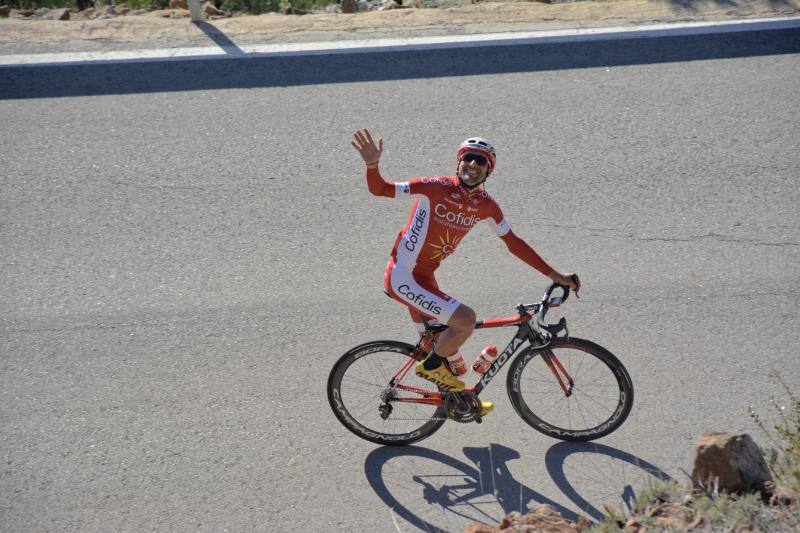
[358, 388]
[598, 400]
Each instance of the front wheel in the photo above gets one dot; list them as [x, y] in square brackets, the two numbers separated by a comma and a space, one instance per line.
[359, 394]
[572, 390]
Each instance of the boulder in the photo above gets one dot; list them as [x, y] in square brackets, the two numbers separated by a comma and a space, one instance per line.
[731, 460]
[121, 9]
[348, 6]
[5, 11]
[289, 10]
[178, 4]
[210, 10]
[42, 12]
[58, 14]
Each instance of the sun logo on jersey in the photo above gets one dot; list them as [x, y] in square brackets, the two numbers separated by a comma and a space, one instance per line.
[446, 246]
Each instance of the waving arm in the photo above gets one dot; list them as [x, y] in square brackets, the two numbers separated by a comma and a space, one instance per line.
[371, 154]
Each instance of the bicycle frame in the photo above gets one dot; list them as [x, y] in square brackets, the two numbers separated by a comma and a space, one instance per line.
[525, 332]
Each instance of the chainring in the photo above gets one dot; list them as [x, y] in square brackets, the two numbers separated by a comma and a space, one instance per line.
[462, 406]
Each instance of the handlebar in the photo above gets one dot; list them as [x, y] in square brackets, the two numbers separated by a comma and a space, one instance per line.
[548, 302]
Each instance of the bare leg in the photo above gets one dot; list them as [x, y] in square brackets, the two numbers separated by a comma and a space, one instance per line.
[462, 324]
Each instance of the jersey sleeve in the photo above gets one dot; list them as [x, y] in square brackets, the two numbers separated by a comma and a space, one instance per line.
[528, 255]
[377, 185]
[498, 222]
[414, 187]
[515, 245]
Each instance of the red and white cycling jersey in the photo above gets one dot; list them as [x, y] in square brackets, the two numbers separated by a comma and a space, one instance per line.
[444, 211]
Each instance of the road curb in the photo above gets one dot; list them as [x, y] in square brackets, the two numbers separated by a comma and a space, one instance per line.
[227, 49]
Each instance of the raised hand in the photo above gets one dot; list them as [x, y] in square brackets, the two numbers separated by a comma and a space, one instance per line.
[369, 151]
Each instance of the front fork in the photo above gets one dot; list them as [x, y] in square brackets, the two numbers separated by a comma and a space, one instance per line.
[566, 382]
[563, 377]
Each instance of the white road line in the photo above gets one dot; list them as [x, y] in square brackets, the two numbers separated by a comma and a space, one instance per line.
[403, 44]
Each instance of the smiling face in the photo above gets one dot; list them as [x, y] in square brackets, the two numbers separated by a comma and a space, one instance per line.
[472, 169]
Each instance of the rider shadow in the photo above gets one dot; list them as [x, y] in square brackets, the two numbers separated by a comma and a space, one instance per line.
[453, 492]
[616, 473]
[436, 492]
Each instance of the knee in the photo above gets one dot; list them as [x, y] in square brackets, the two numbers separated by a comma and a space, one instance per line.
[464, 318]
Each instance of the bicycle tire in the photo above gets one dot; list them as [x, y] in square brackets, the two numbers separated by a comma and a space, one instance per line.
[580, 357]
[373, 364]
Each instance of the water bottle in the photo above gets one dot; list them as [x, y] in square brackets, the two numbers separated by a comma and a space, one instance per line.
[457, 364]
[485, 359]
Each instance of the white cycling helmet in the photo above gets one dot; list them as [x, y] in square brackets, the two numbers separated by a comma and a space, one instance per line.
[478, 145]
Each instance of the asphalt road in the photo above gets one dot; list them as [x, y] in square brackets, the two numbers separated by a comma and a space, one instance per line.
[188, 248]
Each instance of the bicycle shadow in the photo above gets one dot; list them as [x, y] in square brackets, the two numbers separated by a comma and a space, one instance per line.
[607, 470]
[435, 492]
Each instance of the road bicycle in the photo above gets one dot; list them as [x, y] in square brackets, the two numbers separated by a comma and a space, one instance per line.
[567, 388]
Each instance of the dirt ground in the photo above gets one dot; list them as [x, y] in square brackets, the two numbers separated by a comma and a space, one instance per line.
[152, 30]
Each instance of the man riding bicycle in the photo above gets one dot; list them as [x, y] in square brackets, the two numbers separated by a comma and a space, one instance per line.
[444, 210]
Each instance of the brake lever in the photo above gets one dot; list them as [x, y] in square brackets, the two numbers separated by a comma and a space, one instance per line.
[576, 280]
[555, 329]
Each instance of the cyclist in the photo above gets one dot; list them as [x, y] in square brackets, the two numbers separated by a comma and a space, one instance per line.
[445, 209]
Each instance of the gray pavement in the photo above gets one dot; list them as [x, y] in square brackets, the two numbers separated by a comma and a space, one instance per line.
[185, 255]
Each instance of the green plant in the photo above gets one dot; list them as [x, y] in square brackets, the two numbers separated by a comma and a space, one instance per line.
[309, 5]
[254, 7]
[684, 507]
[783, 432]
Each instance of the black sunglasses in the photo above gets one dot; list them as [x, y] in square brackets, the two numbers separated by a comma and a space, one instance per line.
[479, 159]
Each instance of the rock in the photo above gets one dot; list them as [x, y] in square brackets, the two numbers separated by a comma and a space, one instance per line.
[632, 526]
[58, 14]
[333, 8]
[540, 518]
[476, 527]
[106, 12]
[135, 12]
[387, 5]
[5, 11]
[348, 6]
[361, 5]
[210, 10]
[121, 9]
[178, 4]
[783, 495]
[730, 459]
[289, 10]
